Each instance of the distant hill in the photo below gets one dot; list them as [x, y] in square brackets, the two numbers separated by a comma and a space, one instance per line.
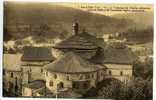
[141, 30]
[56, 21]
[60, 19]
[142, 20]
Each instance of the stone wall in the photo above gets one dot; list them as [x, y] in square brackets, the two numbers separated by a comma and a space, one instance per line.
[119, 71]
[12, 82]
[67, 79]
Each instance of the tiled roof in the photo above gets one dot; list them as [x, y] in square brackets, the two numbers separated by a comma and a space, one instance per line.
[115, 55]
[80, 41]
[37, 54]
[121, 55]
[72, 63]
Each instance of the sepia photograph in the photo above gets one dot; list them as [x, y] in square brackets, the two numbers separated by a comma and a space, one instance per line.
[78, 50]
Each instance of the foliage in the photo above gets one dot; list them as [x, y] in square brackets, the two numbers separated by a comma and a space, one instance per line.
[44, 28]
[7, 35]
[136, 89]
[143, 69]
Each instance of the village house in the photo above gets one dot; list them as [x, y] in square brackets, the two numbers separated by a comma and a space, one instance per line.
[12, 75]
[118, 59]
[32, 62]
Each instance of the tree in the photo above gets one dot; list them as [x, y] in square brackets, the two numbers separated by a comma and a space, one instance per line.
[136, 89]
[7, 35]
[144, 69]
[44, 28]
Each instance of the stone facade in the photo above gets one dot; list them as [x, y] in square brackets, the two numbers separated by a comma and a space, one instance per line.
[121, 72]
[33, 71]
[78, 81]
[12, 81]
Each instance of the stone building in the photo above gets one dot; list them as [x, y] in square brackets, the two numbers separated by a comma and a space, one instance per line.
[33, 88]
[118, 59]
[81, 43]
[32, 62]
[81, 61]
[73, 72]
[12, 75]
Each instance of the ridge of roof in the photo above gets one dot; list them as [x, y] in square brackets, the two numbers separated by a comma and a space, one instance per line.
[72, 63]
[113, 55]
[79, 41]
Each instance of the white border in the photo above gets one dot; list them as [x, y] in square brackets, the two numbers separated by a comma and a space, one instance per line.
[82, 1]
[91, 1]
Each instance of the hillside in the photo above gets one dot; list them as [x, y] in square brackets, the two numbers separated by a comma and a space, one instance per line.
[141, 20]
[60, 19]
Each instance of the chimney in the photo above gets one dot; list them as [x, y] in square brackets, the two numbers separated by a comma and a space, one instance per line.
[75, 28]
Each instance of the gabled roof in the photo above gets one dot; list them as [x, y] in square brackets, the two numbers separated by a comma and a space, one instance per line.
[115, 55]
[72, 63]
[37, 54]
[80, 41]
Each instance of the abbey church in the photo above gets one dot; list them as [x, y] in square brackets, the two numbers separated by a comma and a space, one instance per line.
[72, 66]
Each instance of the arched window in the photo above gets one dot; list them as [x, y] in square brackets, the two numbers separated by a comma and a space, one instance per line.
[101, 74]
[46, 73]
[67, 77]
[41, 70]
[110, 72]
[30, 70]
[11, 75]
[121, 73]
[51, 83]
[22, 69]
[87, 76]
[81, 77]
[60, 85]
[85, 85]
[55, 76]
[92, 75]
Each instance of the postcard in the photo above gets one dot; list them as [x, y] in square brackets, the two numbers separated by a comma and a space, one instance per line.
[78, 50]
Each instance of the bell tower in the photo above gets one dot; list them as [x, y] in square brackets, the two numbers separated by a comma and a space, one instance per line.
[75, 28]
